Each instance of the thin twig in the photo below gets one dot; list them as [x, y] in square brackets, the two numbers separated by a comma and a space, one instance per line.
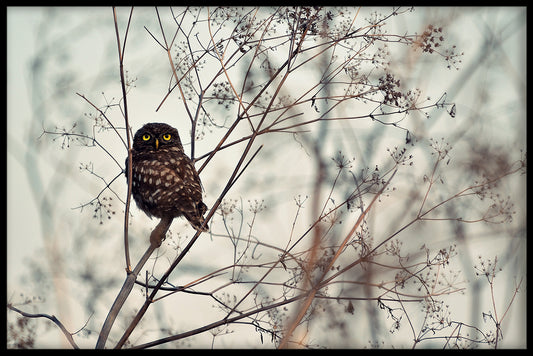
[67, 334]
[104, 116]
[124, 97]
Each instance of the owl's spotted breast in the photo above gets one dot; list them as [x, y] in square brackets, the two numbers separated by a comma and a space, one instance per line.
[164, 188]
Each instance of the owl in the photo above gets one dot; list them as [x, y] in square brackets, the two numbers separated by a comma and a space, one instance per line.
[165, 183]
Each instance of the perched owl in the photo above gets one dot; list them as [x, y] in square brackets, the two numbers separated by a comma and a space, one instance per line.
[165, 183]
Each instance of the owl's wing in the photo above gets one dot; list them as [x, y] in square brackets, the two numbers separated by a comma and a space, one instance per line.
[178, 184]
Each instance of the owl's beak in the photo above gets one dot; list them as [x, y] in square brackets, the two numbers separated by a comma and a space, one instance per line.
[156, 144]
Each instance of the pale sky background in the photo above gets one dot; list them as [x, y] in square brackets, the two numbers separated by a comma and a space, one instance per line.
[494, 93]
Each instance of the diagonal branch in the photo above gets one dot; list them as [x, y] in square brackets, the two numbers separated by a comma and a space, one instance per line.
[121, 298]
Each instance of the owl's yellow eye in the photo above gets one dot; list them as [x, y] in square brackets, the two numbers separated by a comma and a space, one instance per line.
[166, 137]
[146, 137]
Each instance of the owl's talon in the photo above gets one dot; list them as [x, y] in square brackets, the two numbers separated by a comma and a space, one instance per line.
[157, 237]
[156, 241]
[160, 232]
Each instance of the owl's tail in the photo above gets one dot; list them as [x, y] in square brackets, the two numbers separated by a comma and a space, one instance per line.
[196, 219]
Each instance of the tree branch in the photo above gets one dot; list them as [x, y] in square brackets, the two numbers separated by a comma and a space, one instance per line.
[67, 334]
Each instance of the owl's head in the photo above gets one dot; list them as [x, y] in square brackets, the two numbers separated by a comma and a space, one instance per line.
[155, 136]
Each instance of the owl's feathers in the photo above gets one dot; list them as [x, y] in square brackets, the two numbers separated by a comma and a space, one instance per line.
[165, 183]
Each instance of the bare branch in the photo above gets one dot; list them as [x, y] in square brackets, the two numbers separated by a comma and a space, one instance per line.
[52, 318]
